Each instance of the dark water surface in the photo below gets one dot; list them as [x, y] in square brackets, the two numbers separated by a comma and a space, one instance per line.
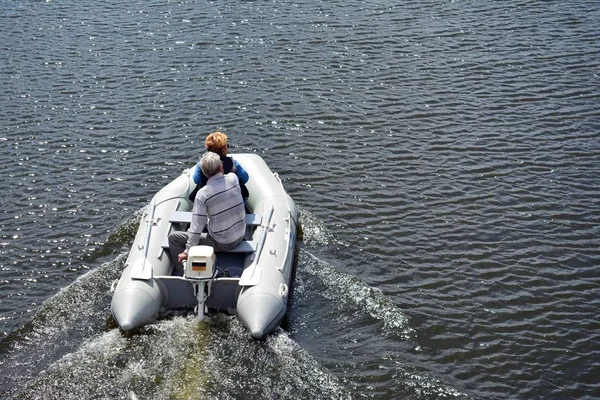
[445, 156]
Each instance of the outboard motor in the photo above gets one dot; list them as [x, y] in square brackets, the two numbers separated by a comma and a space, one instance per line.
[200, 268]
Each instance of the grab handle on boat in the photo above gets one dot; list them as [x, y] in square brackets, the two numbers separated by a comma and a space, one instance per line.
[283, 289]
[251, 275]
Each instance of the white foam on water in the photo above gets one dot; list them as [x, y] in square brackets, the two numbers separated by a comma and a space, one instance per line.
[352, 296]
[344, 287]
[355, 293]
[315, 232]
[275, 368]
[304, 370]
[114, 365]
[60, 325]
[180, 358]
[428, 387]
[80, 373]
[83, 298]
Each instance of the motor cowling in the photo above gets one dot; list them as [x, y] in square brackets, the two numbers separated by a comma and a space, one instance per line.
[200, 262]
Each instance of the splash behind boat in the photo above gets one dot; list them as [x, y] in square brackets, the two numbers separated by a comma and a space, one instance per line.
[251, 280]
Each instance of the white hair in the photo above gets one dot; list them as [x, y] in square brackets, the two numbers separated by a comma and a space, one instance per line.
[210, 163]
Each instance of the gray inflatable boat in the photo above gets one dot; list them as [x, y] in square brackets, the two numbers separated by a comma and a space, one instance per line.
[252, 280]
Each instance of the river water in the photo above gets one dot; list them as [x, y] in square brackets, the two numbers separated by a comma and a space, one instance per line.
[444, 155]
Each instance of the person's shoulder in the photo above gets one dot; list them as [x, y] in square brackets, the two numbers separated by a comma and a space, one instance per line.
[204, 190]
[231, 177]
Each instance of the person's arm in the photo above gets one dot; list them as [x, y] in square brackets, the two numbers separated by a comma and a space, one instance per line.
[198, 174]
[241, 172]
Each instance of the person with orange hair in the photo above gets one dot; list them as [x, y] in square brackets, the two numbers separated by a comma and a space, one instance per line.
[217, 143]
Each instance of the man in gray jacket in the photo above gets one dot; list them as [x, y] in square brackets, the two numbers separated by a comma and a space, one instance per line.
[219, 205]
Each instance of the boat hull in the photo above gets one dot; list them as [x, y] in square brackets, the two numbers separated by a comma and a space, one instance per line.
[261, 307]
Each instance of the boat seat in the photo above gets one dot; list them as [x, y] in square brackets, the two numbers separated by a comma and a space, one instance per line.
[186, 217]
[245, 246]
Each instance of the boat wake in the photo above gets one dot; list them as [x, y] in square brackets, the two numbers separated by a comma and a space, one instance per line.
[59, 327]
[356, 294]
[339, 287]
[362, 326]
[182, 358]
[71, 349]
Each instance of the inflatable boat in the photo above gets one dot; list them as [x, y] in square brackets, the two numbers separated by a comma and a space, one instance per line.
[251, 281]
